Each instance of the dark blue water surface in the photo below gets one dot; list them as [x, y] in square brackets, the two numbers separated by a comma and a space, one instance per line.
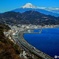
[47, 41]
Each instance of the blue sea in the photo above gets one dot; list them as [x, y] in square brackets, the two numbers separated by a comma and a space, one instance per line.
[46, 41]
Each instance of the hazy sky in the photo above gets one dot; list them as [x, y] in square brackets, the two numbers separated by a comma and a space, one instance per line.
[7, 5]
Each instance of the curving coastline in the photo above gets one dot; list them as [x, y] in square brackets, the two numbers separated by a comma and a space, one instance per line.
[32, 49]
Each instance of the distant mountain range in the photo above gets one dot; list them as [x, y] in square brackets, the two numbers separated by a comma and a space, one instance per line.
[44, 10]
[30, 14]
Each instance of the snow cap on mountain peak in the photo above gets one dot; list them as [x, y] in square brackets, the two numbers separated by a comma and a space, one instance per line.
[28, 5]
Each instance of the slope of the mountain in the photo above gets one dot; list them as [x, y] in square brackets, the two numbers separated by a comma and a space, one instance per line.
[21, 10]
[44, 10]
[10, 17]
[35, 17]
[55, 11]
[8, 50]
[28, 17]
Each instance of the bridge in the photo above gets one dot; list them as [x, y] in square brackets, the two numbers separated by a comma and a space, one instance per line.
[24, 43]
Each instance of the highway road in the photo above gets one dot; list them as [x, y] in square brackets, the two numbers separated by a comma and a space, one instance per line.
[20, 39]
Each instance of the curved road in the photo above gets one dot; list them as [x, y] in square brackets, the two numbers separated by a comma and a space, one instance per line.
[25, 44]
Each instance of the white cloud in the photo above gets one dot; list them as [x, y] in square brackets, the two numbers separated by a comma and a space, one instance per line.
[41, 7]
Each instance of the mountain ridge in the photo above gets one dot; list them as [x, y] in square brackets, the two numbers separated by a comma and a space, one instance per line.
[28, 17]
[21, 10]
[44, 10]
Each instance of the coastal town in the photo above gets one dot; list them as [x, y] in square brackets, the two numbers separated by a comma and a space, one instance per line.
[16, 36]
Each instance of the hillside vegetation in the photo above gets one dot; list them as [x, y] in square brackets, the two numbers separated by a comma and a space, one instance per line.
[8, 50]
[28, 17]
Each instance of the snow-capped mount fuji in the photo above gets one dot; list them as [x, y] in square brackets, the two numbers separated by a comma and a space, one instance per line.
[30, 6]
